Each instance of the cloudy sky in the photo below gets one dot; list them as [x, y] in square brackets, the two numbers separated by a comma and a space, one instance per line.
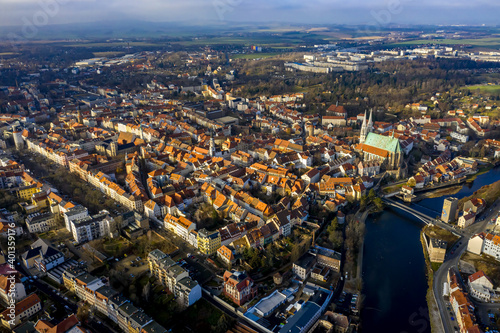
[17, 12]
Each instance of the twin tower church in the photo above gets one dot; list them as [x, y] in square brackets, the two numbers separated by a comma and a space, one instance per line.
[386, 149]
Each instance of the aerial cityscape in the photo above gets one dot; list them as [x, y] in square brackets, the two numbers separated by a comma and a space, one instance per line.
[243, 167]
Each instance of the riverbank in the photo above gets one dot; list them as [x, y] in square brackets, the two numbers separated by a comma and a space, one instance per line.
[434, 315]
[439, 193]
[482, 170]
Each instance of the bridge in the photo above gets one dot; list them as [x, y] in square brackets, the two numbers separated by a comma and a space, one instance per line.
[421, 216]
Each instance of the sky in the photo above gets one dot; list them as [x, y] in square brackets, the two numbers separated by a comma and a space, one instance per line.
[359, 12]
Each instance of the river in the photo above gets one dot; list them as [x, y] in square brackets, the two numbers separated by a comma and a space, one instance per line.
[394, 278]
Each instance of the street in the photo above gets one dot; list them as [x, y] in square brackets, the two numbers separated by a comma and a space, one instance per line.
[452, 260]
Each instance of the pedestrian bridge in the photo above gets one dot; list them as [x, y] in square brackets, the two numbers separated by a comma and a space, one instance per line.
[421, 216]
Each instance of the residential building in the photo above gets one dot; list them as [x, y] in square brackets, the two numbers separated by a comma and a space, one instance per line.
[302, 267]
[208, 243]
[40, 222]
[239, 287]
[24, 309]
[174, 277]
[480, 286]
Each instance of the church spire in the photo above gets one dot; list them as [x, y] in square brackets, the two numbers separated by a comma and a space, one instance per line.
[370, 122]
[363, 133]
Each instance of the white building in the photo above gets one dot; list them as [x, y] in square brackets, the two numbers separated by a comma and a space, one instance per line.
[76, 213]
[480, 286]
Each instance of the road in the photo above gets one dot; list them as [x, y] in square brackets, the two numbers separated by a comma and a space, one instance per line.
[452, 260]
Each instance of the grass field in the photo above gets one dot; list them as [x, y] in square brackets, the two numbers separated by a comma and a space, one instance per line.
[253, 55]
[485, 88]
[483, 42]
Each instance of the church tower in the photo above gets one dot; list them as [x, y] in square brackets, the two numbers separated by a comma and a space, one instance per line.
[366, 128]
[363, 133]
[370, 123]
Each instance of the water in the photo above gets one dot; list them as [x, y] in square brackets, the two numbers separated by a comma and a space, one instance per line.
[394, 278]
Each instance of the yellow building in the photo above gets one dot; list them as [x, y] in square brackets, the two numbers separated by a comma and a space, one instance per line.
[208, 243]
[437, 250]
[25, 192]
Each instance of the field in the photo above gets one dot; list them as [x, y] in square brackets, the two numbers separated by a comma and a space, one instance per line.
[480, 42]
[493, 89]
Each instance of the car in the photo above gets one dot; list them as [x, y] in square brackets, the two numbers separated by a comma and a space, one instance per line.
[452, 319]
[116, 259]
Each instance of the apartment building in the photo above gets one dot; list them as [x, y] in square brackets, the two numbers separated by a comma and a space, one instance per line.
[40, 222]
[174, 277]
[208, 242]
[92, 227]
[24, 309]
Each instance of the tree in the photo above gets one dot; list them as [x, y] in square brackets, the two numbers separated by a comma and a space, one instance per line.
[223, 324]
[83, 313]
[379, 204]
[372, 195]
[412, 182]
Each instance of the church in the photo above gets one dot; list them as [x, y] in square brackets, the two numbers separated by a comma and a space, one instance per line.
[386, 149]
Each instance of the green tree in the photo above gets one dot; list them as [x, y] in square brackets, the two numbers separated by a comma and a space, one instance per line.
[223, 324]
[379, 204]
[412, 182]
[372, 195]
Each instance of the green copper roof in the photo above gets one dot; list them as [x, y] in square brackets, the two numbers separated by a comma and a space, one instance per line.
[383, 142]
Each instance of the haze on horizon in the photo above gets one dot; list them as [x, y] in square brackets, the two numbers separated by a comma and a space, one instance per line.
[200, 12]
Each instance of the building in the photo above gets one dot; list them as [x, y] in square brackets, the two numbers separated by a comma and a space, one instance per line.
[366, 128]
[480, 286]
[466, 219]
[450, 210]
[76, 213]
[302, 268]
[68, 325]
[23, 310]
[491, 245]
[326, 257]
[43, 256]
[475, 244]
[437, 250]
[7, 294]
[239, 287]
[187, 291]
[385, 149]
[174, 277]
[208, 243]
[92, 227]
[225, 254]
[40, 222]
[476, 205]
